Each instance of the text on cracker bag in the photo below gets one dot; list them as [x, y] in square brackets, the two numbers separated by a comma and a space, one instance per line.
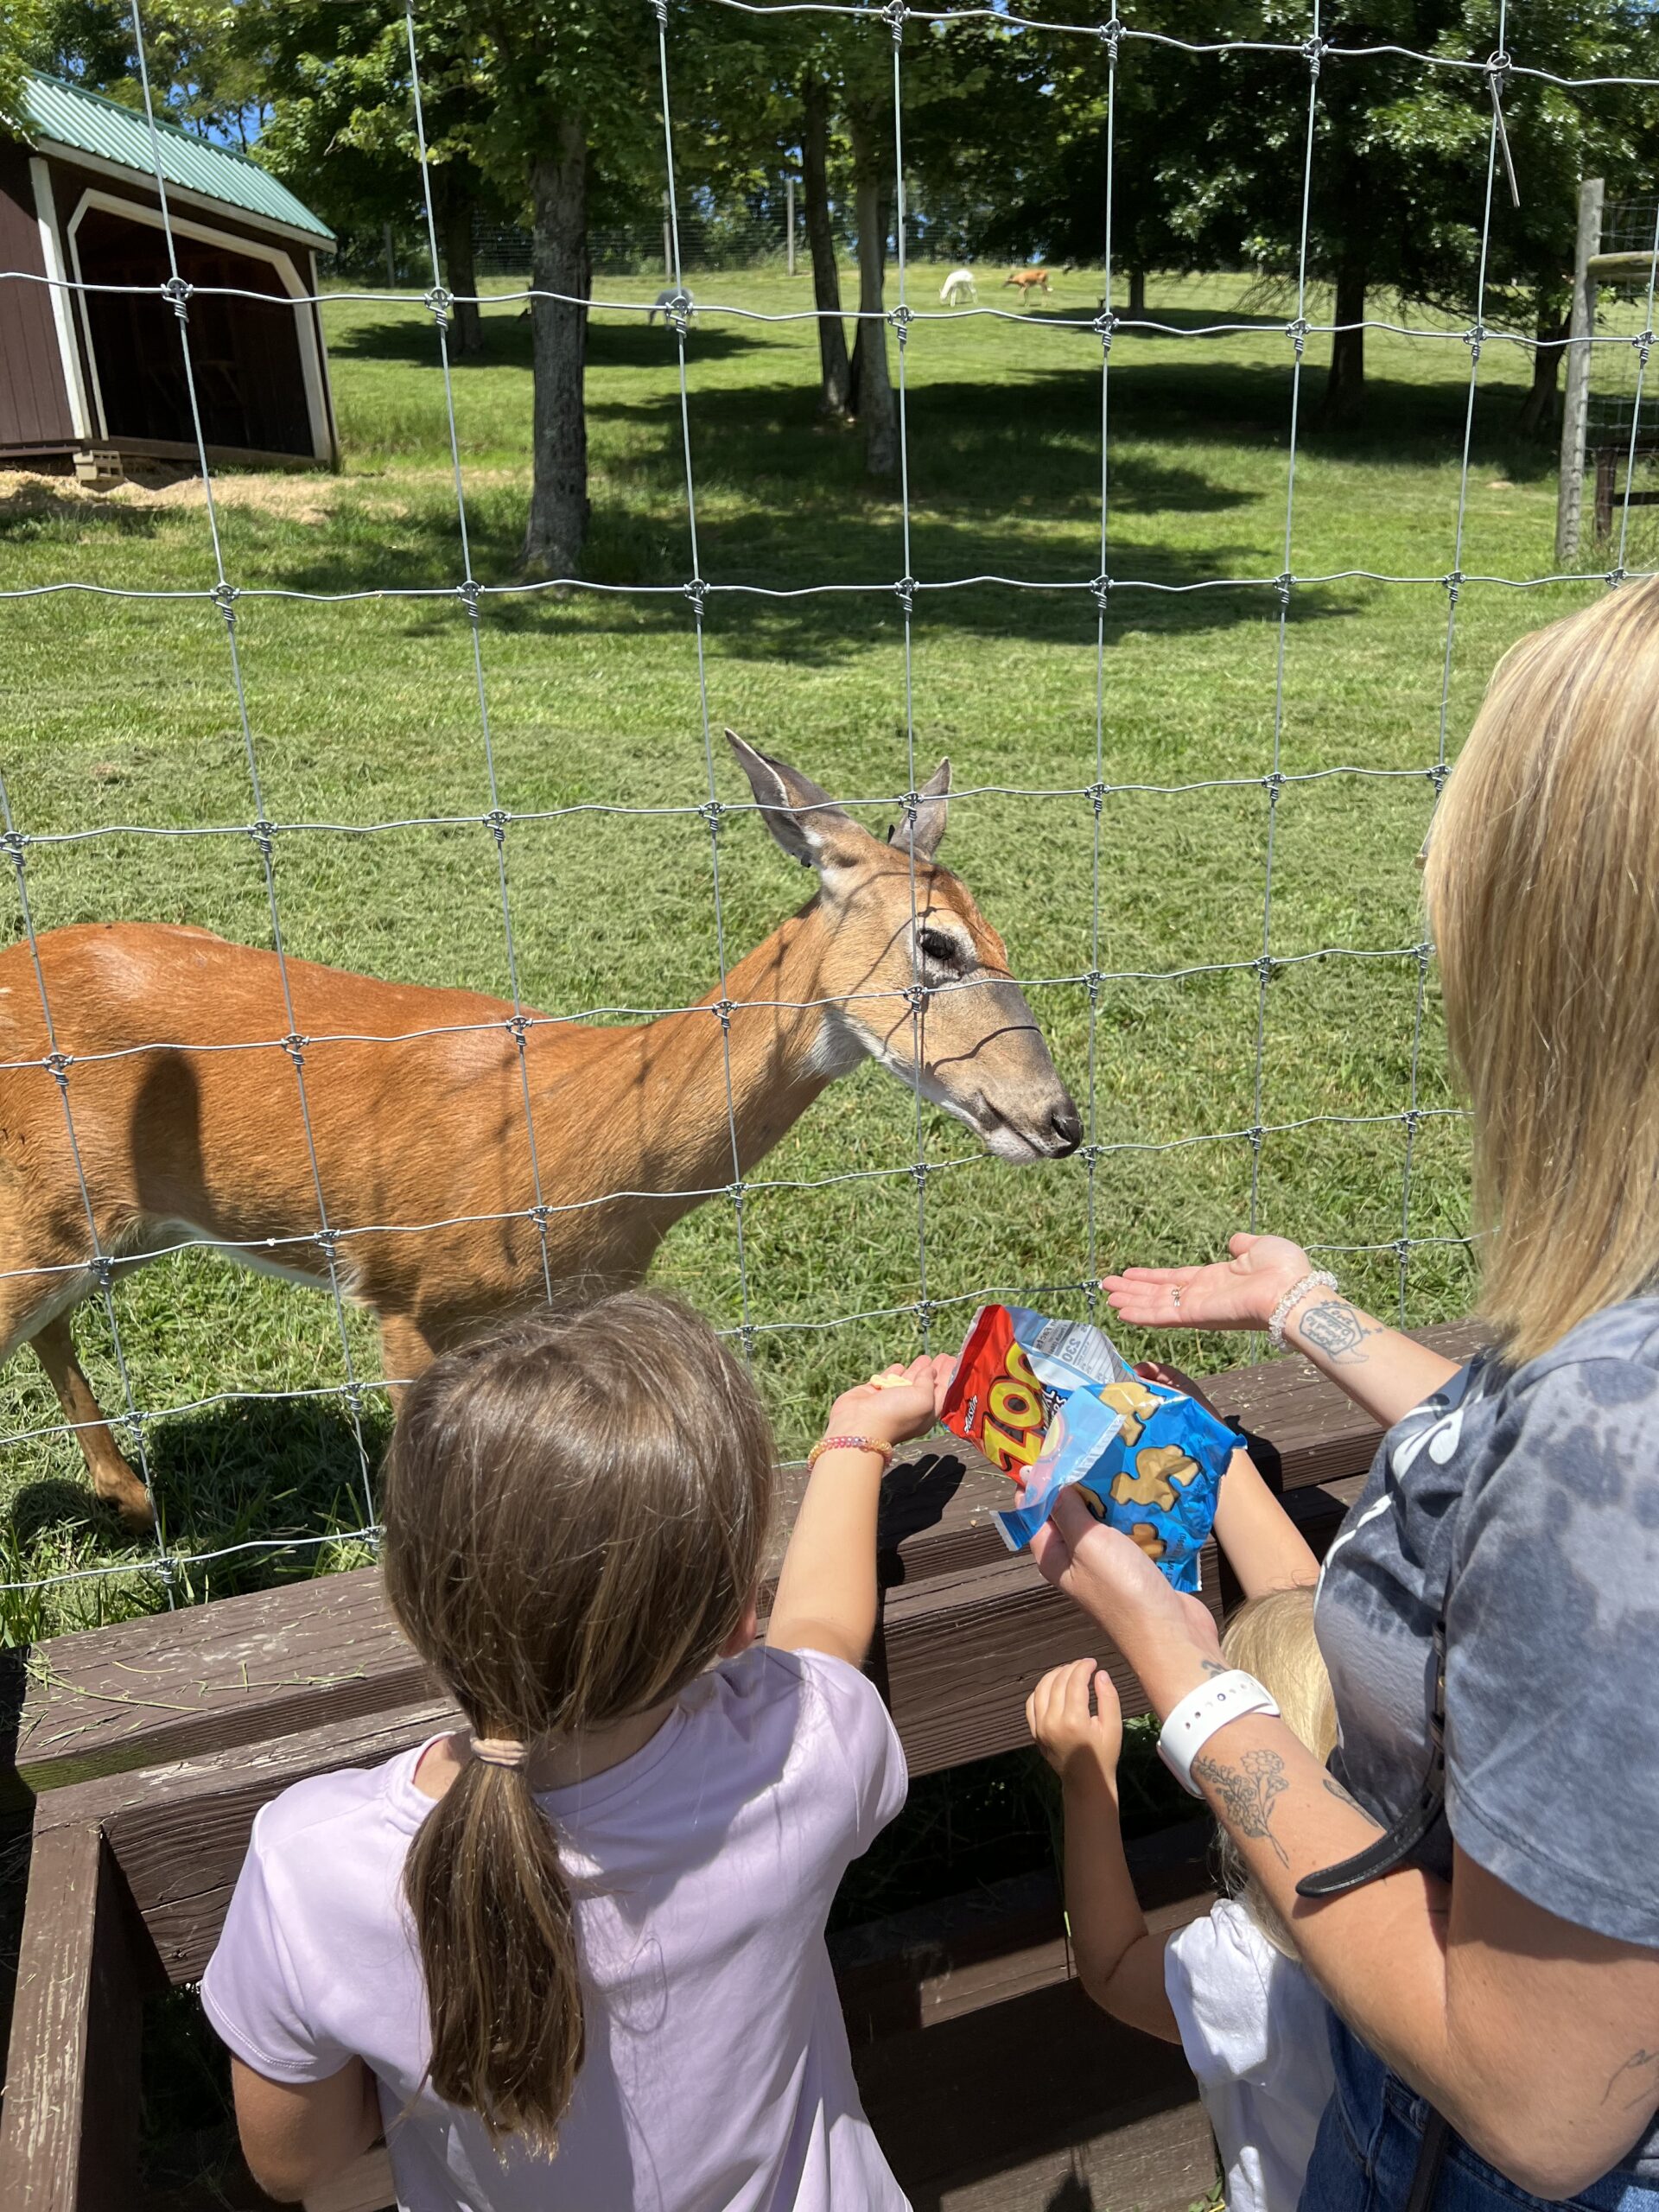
[1052, 1403]
[1016, 1369]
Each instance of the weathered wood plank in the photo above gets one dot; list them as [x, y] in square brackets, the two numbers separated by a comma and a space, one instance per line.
[283, 1661]
[972, 2104]
[69, 2132]
[180, 1831]
[1164, 2162]
[936, 1962]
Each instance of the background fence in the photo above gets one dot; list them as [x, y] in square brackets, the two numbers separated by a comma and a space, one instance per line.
[927, 1303]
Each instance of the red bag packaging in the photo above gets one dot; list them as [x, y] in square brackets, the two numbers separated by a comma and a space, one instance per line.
[994, 1400]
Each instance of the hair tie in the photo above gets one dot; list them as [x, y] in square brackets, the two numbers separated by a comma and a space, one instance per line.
[499, 1750]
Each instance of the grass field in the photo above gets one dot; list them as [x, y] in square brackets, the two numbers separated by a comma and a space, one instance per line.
[121, 719]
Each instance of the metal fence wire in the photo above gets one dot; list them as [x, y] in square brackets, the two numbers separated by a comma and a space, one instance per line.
[1116, 42]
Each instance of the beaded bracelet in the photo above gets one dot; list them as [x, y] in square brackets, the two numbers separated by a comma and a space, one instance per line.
[1298, 1291]
[850, 1444]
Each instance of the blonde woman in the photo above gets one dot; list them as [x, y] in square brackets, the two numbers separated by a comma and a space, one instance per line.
[1485, 1923]
[590, 1922]
[1228, 1987]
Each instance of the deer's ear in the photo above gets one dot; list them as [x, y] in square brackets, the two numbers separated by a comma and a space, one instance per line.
[803, 817]
[924, 836]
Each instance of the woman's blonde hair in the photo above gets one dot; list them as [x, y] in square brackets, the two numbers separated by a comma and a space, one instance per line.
[1542, 880]
[576, 1515]
[1272, 1637]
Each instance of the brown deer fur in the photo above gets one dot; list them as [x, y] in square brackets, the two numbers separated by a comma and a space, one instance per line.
[417, 1100]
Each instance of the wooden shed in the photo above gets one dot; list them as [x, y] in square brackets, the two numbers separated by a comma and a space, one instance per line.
[84, 370]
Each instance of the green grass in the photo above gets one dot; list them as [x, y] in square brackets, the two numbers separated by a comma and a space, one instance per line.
[121, 713]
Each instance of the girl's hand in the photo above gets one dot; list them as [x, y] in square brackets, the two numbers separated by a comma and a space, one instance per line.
[1111, 1577]
[1070, 1738]
[1237, 1294]
[898, 1403]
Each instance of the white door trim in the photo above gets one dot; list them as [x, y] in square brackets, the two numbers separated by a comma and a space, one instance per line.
[280, 261]
[62, 307]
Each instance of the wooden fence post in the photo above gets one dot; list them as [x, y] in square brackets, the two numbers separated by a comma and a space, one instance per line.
[69, 2139]
[1569, 498]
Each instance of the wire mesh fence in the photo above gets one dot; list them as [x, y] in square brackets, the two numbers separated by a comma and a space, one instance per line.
[1621, 425]
[323, 1246]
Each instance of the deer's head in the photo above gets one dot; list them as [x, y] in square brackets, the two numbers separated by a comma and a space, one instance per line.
[910, 971]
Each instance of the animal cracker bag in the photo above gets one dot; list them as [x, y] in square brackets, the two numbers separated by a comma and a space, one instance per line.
[1052, 1403]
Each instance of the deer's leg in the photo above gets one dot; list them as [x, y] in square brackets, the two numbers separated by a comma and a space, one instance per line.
[113, 1479]
[404, 1351]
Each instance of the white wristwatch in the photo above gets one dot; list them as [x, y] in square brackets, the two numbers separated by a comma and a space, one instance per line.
[1192, 1722]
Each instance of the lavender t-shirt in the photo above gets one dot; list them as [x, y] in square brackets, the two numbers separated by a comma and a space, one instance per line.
[717, 2073]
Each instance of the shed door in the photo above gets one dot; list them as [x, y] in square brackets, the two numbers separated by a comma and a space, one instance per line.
[250, 381]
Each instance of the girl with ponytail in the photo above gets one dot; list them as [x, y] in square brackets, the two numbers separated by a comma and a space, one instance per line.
[572, 1956]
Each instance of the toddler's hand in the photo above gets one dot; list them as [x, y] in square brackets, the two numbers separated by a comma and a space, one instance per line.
[900, 1402]
[1070, 1737]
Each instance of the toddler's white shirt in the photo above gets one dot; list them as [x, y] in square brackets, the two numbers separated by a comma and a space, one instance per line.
[1256, 2032]
[717, 2075]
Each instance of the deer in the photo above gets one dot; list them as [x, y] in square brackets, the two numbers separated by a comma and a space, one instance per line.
[1027, 281]
[161, 1097]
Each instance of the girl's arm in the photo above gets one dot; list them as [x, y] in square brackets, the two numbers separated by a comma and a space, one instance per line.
[1380, 1369]
[296, 2135]
[1264, 1548]
[1538, 2040]
[826, 1595]
[1119, 1963]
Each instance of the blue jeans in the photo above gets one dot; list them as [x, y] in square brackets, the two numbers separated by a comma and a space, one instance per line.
[1367, 2152]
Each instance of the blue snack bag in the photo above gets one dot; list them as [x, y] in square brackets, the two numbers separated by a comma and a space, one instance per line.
[1051, 1403]
[1156, 1477]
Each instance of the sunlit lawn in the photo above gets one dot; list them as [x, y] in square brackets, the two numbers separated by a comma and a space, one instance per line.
[121, 718]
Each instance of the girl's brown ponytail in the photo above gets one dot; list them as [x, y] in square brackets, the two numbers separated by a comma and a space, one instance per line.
[492, 1912]
[576, 1516]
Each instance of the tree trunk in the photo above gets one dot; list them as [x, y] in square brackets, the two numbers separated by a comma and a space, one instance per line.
[1538, 409]
[1137, 296]
[872, 377]
[559, 262]
[1345, 388]
[460, 275]
[836, 377]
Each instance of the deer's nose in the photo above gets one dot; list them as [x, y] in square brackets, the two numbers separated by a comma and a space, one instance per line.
[1065, 1127]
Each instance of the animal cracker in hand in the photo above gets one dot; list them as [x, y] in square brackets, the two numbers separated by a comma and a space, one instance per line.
[1156, 1471]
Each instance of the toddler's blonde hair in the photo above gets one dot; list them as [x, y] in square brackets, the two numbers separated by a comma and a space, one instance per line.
[1272, 1637]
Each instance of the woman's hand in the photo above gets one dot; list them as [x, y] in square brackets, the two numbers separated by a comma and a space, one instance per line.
[898, 1403]
[1237, 1294]
[1169, 1640]
[1075, 1741]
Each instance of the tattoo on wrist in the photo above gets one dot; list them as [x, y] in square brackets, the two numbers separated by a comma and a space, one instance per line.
[1638, 2063]
[1246, 1796]
[1334, 1327]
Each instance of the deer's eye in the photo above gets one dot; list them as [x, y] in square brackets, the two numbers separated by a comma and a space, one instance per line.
[936, 945]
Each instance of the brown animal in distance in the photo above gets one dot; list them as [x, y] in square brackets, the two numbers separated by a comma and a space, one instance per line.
[1027, 281]
[189, 1130]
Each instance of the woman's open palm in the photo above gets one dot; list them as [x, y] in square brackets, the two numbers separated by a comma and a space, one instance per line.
[1237, 1294]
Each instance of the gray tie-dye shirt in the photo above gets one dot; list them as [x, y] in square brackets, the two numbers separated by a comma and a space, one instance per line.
[1550, 1559]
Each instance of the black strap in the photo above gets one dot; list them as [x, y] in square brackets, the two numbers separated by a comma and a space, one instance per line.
[1431, 2157]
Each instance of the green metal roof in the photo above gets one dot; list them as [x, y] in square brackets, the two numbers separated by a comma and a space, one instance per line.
[73, 117]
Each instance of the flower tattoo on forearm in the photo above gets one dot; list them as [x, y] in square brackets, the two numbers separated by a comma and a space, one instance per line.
[1247, 1797]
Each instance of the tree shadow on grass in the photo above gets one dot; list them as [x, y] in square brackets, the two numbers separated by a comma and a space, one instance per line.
[624, 342]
